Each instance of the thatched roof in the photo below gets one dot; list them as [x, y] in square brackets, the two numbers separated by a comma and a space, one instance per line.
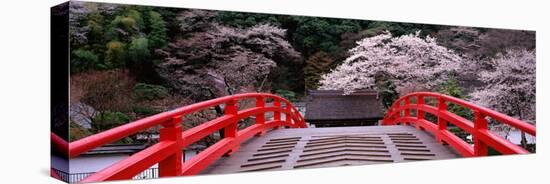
[323, 105]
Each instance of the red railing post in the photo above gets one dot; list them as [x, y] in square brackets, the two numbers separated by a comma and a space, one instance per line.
[168, 152]
[171, 166]
[407, 110]
[277, 114]
[441, 123]
[260, 117]
[480, 123]
[288, 114]
[297, 123]
[483, 139]
[231, 130]
[385, 121]
[419, 112]
[397, 114]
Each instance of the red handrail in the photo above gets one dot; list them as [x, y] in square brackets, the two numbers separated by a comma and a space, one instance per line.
[168, 151]
[482, 137]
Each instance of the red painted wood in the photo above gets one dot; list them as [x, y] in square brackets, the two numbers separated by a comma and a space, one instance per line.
[59, 145]
[168, 152]
[483, 138]
[135, 164]
[171, 166]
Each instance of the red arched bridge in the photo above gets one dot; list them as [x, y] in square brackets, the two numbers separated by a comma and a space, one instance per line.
[287, 143]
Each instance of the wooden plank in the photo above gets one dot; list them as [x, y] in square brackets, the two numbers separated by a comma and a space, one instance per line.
[283, 149]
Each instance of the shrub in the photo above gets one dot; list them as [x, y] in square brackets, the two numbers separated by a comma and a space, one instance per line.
[289, 95]
[158, 35]
[77, 131]
[107, 120]
[144, 91]
[138, 51]
[105, 90]
[82, 60]
[115, 55]
[145, 111]
[451, 88]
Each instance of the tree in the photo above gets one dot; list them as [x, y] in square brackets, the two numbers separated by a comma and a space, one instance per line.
[138, 51]
[157, 35]
[481, 44]
[82, 60]
[386, 89]
[452, 88]
[115, 56]
[215, 60]
[315, 34]
[510, 86]
[245, 20]
[408, 60]
[318, 64]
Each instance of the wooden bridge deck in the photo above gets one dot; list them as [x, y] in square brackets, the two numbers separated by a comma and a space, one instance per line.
[284, 149]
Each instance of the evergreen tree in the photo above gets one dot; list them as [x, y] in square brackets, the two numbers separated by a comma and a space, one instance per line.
[115, 55]
[138, 51]
[157, 36]
[318, 64]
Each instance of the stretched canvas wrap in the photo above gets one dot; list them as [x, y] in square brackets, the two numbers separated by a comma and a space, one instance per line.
[142, 92]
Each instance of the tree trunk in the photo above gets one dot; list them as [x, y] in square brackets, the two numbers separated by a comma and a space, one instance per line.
[523, 140]
[523, 137]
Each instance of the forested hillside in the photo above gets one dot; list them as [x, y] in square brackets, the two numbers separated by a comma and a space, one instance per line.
[129, 62]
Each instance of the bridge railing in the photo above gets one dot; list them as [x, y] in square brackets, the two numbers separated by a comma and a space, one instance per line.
[483, 138]
[168, 151]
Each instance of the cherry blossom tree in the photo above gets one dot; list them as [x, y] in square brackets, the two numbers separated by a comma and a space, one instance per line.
[216, 60]
[510, 87]
[408, 60]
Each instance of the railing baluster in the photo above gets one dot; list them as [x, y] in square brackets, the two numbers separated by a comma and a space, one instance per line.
[385, 121]
[441, 123]
[277, 114]
[407, 111]
[480, 123]
[171, 166]
[260, 117]
[397, 114]
[231, 130]
[288, 115]
[171, 132]
[419, 111]
[482, 137]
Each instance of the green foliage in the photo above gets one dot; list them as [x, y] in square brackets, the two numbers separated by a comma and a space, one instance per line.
[144, 91]
[126, 37]
[82, 60]
[460, 133]
[157, 36]
[144, 110]
[321, 34]
[119, 27]
[134, 17]
[138, 52]
[307, 34]
[398, 29]
[115, 56]
[107, 120]
[451, 88]
[386, 89]
[95, 23]
[287, 94]
[77, 131]
[243, 20]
